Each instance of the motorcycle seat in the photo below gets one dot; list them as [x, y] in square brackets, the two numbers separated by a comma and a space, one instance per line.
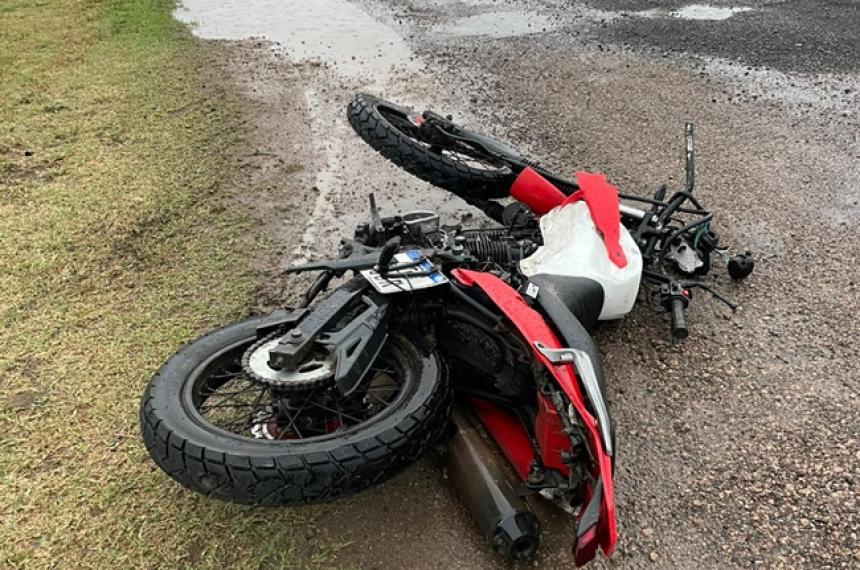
[561, 295]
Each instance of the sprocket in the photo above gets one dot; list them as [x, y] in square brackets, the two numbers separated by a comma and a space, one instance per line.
[317, 370]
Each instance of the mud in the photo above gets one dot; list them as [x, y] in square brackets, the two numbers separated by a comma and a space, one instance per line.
[273, 174]
[738, 448]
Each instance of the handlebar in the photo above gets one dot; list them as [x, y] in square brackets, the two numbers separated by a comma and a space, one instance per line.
[675, 298]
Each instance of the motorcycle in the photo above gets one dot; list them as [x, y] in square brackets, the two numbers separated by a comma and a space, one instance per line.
[432, 333]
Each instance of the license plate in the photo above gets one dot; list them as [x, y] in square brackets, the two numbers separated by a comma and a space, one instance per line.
[415, 278]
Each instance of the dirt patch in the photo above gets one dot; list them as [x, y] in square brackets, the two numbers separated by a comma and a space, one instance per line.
[19, 166]
[273, 166]
[22, 400]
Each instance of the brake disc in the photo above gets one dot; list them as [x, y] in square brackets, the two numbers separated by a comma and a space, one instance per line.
[316, 370]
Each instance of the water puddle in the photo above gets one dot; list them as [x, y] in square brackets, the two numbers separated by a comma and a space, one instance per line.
[702, 12]
[498, 25]
[335, 32]
[706, 12]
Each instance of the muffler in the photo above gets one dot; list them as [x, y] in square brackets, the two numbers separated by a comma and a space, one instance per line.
[488, 492]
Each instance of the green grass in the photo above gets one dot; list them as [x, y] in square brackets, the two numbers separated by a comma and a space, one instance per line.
[115, 247]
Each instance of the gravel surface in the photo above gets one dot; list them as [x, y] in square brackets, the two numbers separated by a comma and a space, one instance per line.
[738, 448]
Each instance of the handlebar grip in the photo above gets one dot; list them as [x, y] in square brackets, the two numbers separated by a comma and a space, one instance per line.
[387, 253]
[679, 324]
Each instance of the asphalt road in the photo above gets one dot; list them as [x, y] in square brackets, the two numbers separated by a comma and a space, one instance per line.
[738, 448]
[792, 35]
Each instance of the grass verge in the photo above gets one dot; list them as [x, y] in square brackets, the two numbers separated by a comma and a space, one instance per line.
[115, 247]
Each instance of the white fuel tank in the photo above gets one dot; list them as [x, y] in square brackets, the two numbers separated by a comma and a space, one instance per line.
[572, 246]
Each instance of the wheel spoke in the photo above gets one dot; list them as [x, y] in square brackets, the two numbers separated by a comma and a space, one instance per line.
[384, 402]
[227, 375]
[298, 432]
[251, 388]
[220, 405]
[299, 412]
[247, 424]
[240, 423]
[231, 396]
[338, 411]
[381, 389]
[231, 401]
[339, 415]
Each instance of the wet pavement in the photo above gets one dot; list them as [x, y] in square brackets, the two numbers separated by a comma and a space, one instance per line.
[794, 35]
[738, 448]
[331, 31]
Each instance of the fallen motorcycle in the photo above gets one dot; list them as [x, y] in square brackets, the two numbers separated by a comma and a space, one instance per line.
[436, 333]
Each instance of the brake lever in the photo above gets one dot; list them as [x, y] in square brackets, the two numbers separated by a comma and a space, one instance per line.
[355, 263]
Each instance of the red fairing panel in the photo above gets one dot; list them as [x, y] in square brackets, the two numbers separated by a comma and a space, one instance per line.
[536, 192]
[550, 436]
[602, 200]
[533, 327]
[508, 432]
[541, 196]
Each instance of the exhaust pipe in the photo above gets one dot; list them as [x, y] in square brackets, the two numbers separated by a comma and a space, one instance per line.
[484, 486]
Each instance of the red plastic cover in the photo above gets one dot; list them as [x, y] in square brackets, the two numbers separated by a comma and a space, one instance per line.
[536, 192]
[508, 432]
[541, 196]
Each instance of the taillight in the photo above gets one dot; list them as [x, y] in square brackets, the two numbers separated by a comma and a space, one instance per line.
[585, 546]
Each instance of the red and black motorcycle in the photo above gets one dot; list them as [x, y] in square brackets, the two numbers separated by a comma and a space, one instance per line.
[437, 333]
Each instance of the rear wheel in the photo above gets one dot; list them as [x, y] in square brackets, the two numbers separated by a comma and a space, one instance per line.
[393, 131]
[217, 431]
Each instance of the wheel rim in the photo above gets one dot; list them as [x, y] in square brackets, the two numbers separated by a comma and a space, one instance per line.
[221, 397]
[406, 124]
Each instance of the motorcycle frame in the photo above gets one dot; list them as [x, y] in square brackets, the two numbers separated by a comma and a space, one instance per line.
[544, 446]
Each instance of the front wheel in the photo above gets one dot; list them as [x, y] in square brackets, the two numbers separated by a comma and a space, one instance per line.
[394, 132]
[218, 432]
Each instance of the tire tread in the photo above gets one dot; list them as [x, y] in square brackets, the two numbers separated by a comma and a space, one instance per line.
[291, 479]
[418, 160]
